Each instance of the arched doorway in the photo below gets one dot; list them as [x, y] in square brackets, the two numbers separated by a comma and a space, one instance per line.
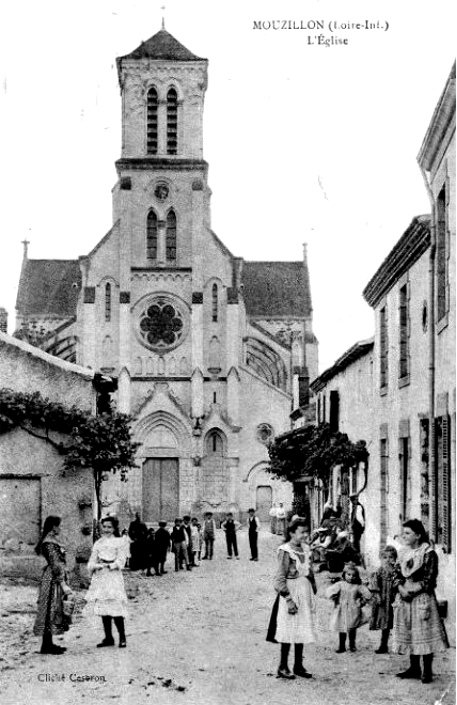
[161, 476]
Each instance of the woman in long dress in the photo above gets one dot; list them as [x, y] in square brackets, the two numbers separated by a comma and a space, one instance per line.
[418, 629]
[292, 620]
[50, 619]
[106, 595]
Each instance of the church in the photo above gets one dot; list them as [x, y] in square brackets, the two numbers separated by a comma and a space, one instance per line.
[212, 354]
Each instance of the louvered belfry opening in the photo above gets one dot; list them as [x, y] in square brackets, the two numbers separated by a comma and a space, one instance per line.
[151, 236]
[172, 121]
[152, 122]
[170, 238]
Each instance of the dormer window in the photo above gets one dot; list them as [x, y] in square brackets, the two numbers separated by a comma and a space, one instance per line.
[172, 121]
[152, 125]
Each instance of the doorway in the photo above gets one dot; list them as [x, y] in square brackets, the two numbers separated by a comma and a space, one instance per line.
[160, 489]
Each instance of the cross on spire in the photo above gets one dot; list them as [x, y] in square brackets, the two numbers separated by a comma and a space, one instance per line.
[26, 243]
[163, 8]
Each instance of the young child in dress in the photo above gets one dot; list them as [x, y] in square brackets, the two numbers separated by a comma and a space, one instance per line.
[195, 541]
[348, 595]
[381, 587]
[107, 593]
[292, 619]
[200, 542]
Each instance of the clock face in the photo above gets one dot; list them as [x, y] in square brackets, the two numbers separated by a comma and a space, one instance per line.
[161, 192]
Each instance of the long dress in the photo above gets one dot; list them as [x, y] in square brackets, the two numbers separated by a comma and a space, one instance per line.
[294, 577]
[50, 617]
[106, 595]
[418, 628]
[347, 613]
[381, 585]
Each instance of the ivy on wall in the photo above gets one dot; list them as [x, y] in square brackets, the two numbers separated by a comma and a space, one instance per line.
[314, 451]
[103, 443]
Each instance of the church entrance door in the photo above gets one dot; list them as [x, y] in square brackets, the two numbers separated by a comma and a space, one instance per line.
[264, 495]
[160, 489]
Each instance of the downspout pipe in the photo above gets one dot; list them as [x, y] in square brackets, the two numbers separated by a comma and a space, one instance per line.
[431, 360]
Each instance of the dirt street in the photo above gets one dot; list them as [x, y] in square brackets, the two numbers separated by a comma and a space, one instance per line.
[198, 638]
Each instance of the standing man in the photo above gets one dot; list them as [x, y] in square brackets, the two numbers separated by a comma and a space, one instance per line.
[280, 519]
[273, 518]
[253, 533]
[230, 527]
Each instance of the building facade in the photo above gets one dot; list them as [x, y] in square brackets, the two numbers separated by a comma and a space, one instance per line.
[211, 352]
[33, 482]
[343, 397]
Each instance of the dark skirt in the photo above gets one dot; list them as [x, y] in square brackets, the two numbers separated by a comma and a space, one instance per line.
[271, 632]
[50, 617]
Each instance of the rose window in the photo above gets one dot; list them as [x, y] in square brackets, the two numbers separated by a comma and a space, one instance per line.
[161, 325]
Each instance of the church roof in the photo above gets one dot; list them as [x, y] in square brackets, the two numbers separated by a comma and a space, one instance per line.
[47, 286]
[162, 46]
[276, 289]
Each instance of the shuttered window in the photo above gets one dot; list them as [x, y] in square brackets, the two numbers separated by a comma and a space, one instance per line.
[152, 124]
[441, 255]
[215, 303]
[384, 468]
[443, 483]
[151, 236]
[403, 330]
[108, 302]
[172, 121]
[170, 237]
[383, 348]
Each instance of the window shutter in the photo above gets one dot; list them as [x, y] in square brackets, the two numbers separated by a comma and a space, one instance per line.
[446, 484]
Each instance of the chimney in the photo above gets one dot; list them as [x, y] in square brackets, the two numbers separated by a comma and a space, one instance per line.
[3, 320]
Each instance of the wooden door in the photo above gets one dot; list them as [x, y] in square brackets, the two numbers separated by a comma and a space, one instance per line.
[263, 502]
[160, 489]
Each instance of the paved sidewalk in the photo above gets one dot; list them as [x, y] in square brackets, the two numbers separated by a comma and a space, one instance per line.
[198, 638]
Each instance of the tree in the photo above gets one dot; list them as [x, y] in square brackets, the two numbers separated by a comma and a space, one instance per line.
[314, 450]
[103, 443]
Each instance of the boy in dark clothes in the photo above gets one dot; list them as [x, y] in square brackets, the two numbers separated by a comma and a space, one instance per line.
[179, 540]
[151, 553]
[162, 546]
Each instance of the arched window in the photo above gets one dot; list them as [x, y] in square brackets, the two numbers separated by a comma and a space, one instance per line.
[151, 236]
[215, 303]
[214, 443]
[108, 302]
[152, 104]
[172, 121]
[170, 237]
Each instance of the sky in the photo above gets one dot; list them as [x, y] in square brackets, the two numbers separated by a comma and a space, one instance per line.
[305, 142]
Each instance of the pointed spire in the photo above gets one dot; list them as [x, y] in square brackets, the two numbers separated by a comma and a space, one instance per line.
[26, 244]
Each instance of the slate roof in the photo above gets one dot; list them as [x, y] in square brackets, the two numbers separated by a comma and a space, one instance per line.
[162, 46]
[46, 286]
[276, 289]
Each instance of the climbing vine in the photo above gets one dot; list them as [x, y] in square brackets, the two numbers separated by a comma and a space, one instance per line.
[103, 443]
[314, 450]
